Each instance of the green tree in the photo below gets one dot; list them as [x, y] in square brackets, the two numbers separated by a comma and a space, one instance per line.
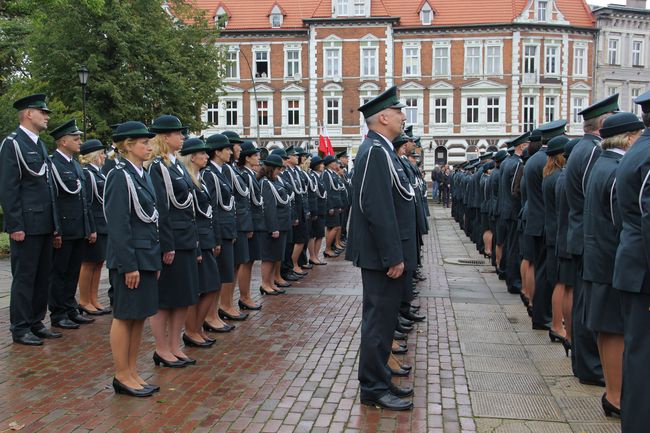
[143, 60]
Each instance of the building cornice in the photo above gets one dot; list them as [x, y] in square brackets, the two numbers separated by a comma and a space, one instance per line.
[621, 11]
[506, 27]
[247, 33]
[351, 20]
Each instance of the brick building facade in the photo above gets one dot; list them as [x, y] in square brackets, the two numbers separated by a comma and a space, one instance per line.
[472, 73]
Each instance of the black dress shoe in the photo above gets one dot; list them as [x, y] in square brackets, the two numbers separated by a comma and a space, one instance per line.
[290, 276]
[282, 284]
[413, 316]
[400, 351]
[28, 339]
[225, 315]
[415, 308]
[399, 336]
[597, 382]
[316, 264]
[152, 387]
[65, 324]
[406, 367]
[609, 409]
[225, 328]
[187, 361]
[400, 373]
[78, 318]
[405, 322]
[541, 326]
[158, 360]
[280, 291]
[331, 256]
[248, 307]
[308, 266]
[46, 333]
[387, 401]
[192, 343]
[210, 340]
[90, 312]
[400, 392]
[300, 274]
[502, 276]
[107, 310]
[120, 388]
[403, 329]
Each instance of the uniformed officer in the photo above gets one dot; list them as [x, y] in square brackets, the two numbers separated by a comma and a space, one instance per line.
[318, 205]
[132, 254]
[382, 243]
[586, 363]
[631, 275]
[77, 224]
[28, 203]
[343, 159]
[509, 206]
[335, 194]
[497, 238]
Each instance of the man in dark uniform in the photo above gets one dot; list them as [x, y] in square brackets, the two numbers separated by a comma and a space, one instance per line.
[509, 206]
[632, 275]
[585, 358]
[534, 174]
[345, 213]
[77, 224]
[382, 242]
[28, 203]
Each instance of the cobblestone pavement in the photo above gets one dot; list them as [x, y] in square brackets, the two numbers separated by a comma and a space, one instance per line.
[292, 366]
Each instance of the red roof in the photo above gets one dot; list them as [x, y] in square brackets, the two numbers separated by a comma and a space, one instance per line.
[245, 14]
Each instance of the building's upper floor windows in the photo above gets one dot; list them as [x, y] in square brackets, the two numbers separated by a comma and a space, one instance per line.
[332, 62]
[542, 10]
[473, 59]
[411, 53]
[612, 51]
[261, 63]
[637, 52]
[350, 8]
[580, 60]
[441, 59]
[221, 18]
[232, 64]
[276, 17]
[292, 61]
[426, 14]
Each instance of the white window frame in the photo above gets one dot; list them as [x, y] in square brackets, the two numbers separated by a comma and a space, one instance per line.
[212, 110]
[232, 65]
[613, 53]
[555, 57]
[276, 13]
[446, 46]
[238, 111]
[411, 61]
[550, 107]
[542, 14]
[262, 50]
[293, 111]
[612, 89]
[332, 65]
[580, 61]
[634, 93]
[426, 14]
[497, 107]
[412, 112]
[532, 109]
[293, 93]
[440, 112]
[499, 64]
[639, 53]
[474, 45]
[326, 110]
[576, 107]
[373, 67]
[341, 8]
[530, 77]
[476, 119]
[293, 48]
[441, 91]
[355, 8]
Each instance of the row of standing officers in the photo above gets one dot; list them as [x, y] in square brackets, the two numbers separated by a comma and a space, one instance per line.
[564, 223]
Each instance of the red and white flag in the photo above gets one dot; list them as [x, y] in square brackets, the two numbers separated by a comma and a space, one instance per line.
[324, 142]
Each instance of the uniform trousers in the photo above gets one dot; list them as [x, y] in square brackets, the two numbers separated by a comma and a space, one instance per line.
[65, 276]
[31, 264]
[636, 358]
[585, 358]
[381, 301]
[513, 274]
[542, 311]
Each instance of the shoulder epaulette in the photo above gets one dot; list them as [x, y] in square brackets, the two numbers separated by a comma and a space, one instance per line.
[376, 143]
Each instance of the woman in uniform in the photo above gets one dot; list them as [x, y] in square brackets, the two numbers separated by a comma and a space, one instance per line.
[248, 162]
[554, 163]
[179, 279]
[602, 224]
[227, 309]
[223, 206]
[91, 157]
[318, 205]
[195, 158]
[277, 220]
[334, 196]
[133, 254]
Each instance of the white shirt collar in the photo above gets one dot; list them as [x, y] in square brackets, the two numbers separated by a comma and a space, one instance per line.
[30, 134]
[140, 170]
[220, 168]
[67, 158]
[96, 168]
[172, 158]
[617, 150]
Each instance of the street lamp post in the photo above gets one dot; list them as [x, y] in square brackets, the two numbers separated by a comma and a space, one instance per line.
[83, 79]
[257, 120]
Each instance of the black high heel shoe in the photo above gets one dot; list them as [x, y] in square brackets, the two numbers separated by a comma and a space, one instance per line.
[609, 409]
[83, 310]
[555, 337]
[524, 299]
[158, 360]
[226, 315]
[187, 361]
[225, 328]
[567, 346]
[120, 388]
[271, 293]
[331, 256]
[192, 343]
[248, 307]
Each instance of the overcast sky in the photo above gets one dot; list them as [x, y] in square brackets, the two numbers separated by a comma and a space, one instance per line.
[606, 2]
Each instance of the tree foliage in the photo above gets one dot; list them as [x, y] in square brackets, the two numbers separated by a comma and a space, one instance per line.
[143, 60]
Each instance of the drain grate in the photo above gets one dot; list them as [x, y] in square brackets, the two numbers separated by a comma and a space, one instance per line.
[465, 261]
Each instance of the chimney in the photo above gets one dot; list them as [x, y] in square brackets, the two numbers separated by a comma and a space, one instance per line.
[637, 4]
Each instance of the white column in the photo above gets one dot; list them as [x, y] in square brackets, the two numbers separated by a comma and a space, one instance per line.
[516, 79]
[313, 83]
[564, 97]
[390, 60]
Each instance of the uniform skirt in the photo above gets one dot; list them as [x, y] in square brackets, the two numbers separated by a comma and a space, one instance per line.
[485, 222]
[502, 231]
[603, 308]
[95, 253]
[300, 233]
[317, 229]
[333, 221]
[241, 249]
[566, 271]
[254, 250]
[272, 249]
[551, 266]
[134, 304]
[528, 248]
[178, 285]
[209, 280]
[226, 262]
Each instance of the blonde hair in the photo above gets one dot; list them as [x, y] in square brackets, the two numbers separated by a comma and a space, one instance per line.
[90, 158]
[619, 141]
[194, 174]
[120, 146]
[160, 149]
[553, 164]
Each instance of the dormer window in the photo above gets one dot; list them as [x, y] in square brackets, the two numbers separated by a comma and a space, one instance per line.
[426, 14]
[276, 17]
[221, 18]
[542, 10]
